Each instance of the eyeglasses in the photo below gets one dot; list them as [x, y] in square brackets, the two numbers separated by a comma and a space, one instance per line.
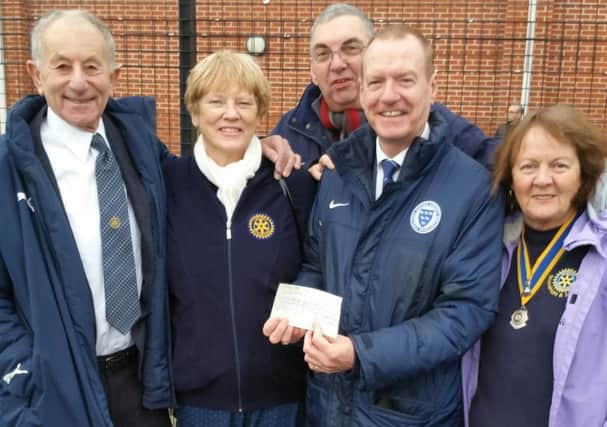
[323, 54]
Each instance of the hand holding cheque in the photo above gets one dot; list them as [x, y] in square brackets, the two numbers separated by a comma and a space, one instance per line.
[299, 308]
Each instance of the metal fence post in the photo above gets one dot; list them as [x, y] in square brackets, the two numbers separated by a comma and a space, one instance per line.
[187, 59]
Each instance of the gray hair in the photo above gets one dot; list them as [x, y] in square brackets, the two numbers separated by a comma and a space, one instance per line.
[341, 9]
[54, 15]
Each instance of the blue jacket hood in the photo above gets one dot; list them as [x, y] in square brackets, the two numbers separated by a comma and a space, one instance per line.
[354, 157]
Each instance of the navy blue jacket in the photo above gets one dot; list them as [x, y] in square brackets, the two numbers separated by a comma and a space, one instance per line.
[222, 289]
[47, 323]
[302, 128]
[417, 270]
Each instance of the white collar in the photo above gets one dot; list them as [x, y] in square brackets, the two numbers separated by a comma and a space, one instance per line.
[76, 140]
[400, 157]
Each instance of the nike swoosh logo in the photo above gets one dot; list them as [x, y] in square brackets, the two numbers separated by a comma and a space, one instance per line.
[334, 205]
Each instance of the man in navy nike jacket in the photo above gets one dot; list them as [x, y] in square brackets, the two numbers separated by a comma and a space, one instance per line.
[405, 229]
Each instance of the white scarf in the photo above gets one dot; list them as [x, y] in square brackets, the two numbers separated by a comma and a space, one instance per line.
[230, 179]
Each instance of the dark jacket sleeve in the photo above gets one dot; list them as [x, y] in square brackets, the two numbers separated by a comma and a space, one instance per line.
[16, 341]
[145, 106]
[279, 129]
[299, 143]
[305, 143]
[471, 140]
[302, 187]
[16, 386]
[148, 112]
[468, 137]
[311, 274]
[463, 309]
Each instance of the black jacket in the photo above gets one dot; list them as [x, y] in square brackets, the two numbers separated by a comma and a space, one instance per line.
[222, 288]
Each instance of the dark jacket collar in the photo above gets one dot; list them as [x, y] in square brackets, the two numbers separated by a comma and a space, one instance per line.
[304, 110]
[25, 117]
[354, 157]
[357, 153]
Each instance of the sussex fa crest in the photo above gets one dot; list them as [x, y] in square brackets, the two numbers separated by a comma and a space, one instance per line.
[425, 217]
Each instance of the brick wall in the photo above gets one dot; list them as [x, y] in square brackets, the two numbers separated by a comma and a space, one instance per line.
[480, 49]
[146, 34]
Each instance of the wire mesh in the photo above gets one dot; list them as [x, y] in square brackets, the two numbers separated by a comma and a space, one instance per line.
[483, 50]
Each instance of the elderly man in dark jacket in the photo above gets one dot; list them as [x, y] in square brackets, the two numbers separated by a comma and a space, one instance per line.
[84, 324]
[84, 332]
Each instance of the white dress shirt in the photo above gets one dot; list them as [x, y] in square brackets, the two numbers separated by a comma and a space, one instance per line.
[399, 158]
[73, 162]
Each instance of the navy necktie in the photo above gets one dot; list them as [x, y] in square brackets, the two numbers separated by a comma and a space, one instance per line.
[120, 281]
[389, 167]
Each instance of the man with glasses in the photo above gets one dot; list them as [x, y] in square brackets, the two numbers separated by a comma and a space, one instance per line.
[329, 109]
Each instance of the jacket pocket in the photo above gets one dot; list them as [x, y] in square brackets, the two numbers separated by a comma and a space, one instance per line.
[22, 379]
[19, 396]
[390, 411]
[16, 411]
[396, 411]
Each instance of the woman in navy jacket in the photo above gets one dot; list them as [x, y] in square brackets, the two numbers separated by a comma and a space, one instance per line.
[233, 235]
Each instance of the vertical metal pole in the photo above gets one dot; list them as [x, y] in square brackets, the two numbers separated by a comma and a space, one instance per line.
[529, 45]
[2, 83]
[187, 59]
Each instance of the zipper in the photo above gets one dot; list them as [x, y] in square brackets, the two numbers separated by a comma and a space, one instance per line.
[232, 312]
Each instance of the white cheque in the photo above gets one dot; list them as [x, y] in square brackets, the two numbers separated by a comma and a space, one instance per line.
[305, 306]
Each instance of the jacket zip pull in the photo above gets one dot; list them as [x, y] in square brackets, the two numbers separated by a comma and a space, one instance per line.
[229, 229]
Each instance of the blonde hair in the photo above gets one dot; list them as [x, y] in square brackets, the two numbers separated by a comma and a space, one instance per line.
[222, 69]
[401, 31]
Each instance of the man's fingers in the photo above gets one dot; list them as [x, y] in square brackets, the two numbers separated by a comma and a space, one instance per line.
[298, 334]
[278, 165]
[298, 161]
[277, 149]
[319, 341]
[287, 168]
[311, 355]
[315, 345]
[326, 161]
[284, 158]
[293, 161]
[316, 171]
[307, 342]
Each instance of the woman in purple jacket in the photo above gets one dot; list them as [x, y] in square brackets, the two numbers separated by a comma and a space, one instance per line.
[544, 360]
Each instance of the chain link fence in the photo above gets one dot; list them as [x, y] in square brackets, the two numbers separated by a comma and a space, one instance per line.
[489, 54]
